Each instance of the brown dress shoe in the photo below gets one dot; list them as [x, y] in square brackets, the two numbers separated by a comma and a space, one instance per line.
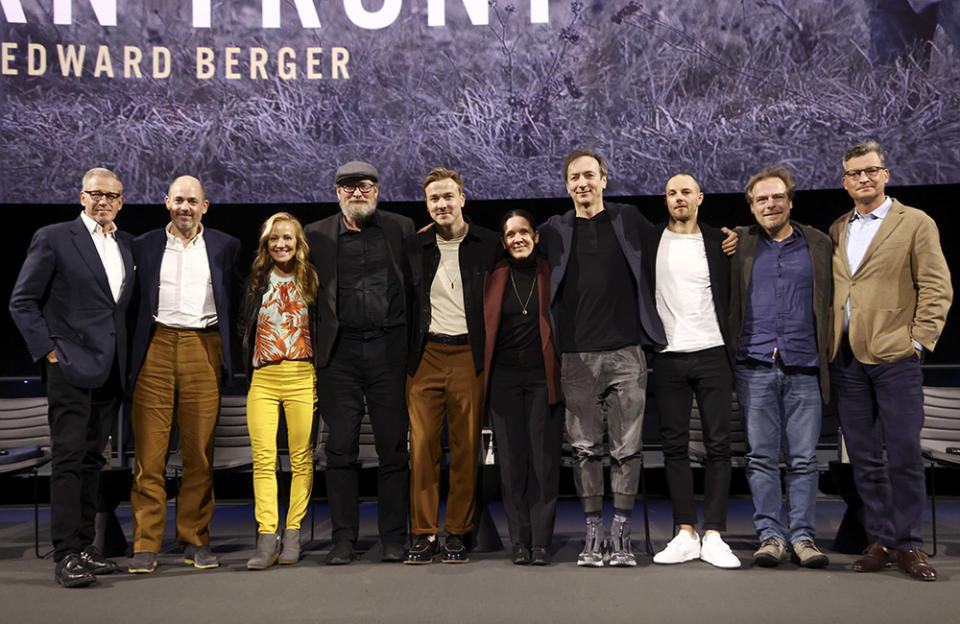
[914, 562]
[875, 558]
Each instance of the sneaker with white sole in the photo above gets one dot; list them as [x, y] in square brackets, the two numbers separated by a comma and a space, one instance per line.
[682, 548]
[592, 554]
[715, 551]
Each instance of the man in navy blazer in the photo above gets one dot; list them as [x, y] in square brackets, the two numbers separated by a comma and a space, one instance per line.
[69, 303]
[181, 349]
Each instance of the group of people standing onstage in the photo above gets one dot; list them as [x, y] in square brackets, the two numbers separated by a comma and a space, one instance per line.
[545, 329]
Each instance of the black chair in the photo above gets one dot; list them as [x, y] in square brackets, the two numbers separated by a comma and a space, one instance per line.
[941, 431]
[25, 446]
[231, 438]
[738, 436]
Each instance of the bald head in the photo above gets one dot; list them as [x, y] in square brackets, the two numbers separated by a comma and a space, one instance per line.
[683, 198]
[187, 203]
[188, 180]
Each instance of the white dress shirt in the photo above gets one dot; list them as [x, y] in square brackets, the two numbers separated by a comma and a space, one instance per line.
[186, 290]
[109, 251]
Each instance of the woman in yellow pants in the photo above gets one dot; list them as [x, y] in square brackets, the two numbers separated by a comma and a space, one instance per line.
[278, 323]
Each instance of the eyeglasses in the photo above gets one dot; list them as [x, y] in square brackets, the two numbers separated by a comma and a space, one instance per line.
[98, 195]
[364, 187]
[872, 172]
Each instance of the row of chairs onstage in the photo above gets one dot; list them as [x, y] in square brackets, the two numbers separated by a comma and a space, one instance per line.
[25, 445]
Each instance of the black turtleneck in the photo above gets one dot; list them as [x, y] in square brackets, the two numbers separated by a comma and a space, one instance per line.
[518, 339]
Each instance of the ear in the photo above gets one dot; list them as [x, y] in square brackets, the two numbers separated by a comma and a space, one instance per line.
[536, 237]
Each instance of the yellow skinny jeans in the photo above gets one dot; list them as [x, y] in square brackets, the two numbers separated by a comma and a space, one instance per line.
[291, 384]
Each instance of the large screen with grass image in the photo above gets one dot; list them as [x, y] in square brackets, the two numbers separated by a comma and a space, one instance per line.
[262, 99]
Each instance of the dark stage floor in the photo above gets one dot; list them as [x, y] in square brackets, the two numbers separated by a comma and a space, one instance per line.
[488, 589]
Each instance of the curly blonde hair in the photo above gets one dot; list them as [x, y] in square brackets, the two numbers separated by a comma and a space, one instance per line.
[304, 273]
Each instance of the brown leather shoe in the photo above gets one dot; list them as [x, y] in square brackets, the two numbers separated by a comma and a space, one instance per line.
[875, 558]
[914, 562]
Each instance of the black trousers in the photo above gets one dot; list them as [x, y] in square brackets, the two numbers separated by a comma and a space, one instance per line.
[371, 370]
[529, 433]
[677, 379]
[80, 421]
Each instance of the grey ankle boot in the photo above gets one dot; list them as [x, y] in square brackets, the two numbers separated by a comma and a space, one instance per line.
[592, 554]
[291, 547]
[268, 546]
[621, 552]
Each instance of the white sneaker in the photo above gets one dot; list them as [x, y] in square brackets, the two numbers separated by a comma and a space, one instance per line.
[683, 547]
[716, 552]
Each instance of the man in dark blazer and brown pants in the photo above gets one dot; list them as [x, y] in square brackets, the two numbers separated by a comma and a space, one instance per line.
[892, 292]
[362, 356]
[70, 303]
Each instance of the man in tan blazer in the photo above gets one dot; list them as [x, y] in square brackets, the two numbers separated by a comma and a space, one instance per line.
[891, 295]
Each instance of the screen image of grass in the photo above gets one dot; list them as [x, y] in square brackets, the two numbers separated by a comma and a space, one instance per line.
[716, 89]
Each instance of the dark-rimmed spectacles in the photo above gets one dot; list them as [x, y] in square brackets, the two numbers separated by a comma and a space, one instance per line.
[363, 187]
[872, 172]
[98, 195]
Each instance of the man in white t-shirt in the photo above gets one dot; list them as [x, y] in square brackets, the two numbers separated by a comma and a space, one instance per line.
[691, 278]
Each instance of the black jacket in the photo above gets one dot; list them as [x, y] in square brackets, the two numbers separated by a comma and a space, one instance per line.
[718, 264]
[322, 237]
[421, 260]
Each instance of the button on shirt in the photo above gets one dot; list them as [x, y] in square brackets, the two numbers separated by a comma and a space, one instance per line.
[860, 233]
[778, 319]
[368, 295]
[186, 290]
[109, 252]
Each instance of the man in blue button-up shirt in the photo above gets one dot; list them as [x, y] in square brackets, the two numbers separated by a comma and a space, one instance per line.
[779, 311]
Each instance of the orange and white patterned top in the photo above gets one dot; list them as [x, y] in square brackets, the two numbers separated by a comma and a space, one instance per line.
[283, 325]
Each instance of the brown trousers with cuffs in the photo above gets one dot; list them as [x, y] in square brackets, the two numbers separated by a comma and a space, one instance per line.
[180, 377]
[445, 384]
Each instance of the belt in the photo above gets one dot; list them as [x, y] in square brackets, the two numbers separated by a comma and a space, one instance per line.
[452, 341]
[202, 330]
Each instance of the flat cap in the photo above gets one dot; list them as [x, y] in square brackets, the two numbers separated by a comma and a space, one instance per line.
[357, 170]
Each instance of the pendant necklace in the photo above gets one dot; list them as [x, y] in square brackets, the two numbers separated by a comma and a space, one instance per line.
[443, 267]
[523, 304]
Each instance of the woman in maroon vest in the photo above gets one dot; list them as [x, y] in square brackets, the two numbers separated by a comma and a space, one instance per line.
[522, 377]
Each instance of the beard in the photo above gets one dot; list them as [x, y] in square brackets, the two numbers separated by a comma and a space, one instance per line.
[358, 213]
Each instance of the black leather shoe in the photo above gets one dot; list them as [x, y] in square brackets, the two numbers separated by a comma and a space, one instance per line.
[341, 553]
[72, 572]
[539, 556]
[97, 563]
[423, 551]
[454, 551]
[521, 554]
[392, 552]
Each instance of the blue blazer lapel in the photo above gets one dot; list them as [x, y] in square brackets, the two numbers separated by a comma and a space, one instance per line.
[214, 250]
[88, 253]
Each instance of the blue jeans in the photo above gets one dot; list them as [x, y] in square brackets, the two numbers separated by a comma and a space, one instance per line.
[782, 412]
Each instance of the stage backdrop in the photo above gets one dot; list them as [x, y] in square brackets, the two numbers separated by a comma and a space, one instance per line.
[262, 99]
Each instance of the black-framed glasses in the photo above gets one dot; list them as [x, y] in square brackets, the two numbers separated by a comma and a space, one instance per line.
[363, 187]
[872, 172]
[98, 195]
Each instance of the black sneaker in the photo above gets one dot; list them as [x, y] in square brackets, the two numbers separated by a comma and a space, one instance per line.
[424, 550]
[454, 551]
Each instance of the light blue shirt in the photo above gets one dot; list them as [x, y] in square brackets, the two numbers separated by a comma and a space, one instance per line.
[860, 233]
